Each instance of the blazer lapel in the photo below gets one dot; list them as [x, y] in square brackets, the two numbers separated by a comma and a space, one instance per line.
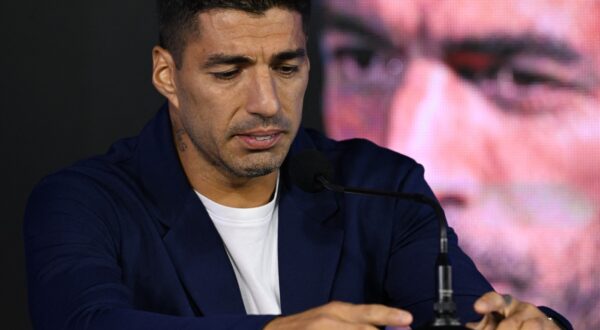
[195, 247]
[199, 255]
[310, 242]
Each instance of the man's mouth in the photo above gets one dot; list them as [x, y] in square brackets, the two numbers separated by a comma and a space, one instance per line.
[260, 140]
[263, 137]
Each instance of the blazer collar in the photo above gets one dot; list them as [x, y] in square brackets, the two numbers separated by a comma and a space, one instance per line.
[310, 231]
[161, 173]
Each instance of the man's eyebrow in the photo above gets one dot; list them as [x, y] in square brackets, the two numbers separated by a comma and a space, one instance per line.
[510, 46]
[223, 59]
[344, 23]
[288, 55]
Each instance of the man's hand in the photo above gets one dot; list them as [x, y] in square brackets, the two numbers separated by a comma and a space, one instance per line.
[339, 315]
[503, 312]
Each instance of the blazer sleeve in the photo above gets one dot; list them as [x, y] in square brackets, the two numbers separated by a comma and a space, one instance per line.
[74, 277]
[411, 282]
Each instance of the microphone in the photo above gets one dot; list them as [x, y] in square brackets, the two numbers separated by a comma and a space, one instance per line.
[312, 172]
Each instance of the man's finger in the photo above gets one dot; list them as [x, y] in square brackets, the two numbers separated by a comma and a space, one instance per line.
[488, 322]
[535, 324]
[371, 314]
[495, 302]
[510, 323]
[382, 315]
[522, 314]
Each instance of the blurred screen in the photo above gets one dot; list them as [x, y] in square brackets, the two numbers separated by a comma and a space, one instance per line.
[500, 101]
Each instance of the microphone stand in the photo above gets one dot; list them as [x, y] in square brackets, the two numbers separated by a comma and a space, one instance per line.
[444, 308]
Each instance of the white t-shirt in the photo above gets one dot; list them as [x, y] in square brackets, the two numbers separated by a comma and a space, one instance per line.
[250, 237]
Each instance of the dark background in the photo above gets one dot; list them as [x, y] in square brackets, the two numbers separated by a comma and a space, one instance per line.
[75, 77]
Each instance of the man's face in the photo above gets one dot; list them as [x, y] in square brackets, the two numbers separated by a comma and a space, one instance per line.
[240, 87]
[500, 100]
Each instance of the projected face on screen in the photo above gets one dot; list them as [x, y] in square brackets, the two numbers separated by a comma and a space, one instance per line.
[500, 101]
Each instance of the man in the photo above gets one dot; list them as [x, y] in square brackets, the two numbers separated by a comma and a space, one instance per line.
[500, 101]
[195, 225]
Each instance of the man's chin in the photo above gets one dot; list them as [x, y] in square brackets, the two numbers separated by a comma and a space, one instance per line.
[256, 165]
[255, 172]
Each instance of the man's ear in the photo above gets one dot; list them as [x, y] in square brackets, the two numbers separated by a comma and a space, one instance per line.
[163, 74]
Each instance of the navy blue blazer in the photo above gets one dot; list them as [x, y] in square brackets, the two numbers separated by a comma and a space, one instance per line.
[121, 241]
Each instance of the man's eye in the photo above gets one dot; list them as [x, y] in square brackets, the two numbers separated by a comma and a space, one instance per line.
[361, 56]
[369, 65]
[485, 67]
[226, 75]
[520, 78]
[287, 70]
[526, 91]
[528, 78]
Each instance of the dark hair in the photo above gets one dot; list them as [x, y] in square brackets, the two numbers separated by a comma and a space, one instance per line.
[178, 18]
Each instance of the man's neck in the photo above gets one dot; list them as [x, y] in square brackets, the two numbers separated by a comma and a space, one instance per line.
[221, 186]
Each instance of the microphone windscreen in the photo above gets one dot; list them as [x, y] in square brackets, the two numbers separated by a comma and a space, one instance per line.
[306, 166]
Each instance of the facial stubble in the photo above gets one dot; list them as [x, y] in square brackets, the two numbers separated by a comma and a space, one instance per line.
[252, 164]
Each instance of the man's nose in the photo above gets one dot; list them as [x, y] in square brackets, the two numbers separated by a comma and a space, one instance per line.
[446, 124]
[263, 98]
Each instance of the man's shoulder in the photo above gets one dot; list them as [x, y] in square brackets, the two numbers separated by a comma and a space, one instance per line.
[118, 167]
[93, 179]
[115, 162]
[357, 149]
[362, 162]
